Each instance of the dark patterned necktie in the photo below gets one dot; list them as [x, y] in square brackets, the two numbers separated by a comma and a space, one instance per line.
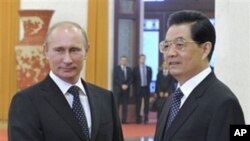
[78, 111]
[175, 105]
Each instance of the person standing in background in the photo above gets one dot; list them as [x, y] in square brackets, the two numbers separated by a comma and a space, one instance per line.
[165, 85]
[202, 108]
[123, 78]
[142, 80]
[64, 107]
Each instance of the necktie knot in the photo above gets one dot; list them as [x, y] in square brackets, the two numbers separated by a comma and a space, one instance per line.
[178, 94]
[74, 90]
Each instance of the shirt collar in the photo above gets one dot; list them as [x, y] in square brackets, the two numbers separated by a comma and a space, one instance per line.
[64, 86]
[189, 85]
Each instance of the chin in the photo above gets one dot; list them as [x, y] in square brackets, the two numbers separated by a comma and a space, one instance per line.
[175, 73]
[68, 76]
[70, 80]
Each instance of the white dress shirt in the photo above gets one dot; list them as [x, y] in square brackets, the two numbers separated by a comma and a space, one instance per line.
[189, 85]
[64, 87]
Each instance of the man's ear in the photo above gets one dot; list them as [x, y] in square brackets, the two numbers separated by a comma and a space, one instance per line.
[207, 47]
[86, 54]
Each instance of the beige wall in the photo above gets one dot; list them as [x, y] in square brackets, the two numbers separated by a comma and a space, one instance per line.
[232, 55]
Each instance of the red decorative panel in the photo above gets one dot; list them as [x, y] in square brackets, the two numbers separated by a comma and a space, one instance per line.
[31, 62]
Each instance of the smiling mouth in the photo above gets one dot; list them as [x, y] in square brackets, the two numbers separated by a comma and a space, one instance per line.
[67, 69]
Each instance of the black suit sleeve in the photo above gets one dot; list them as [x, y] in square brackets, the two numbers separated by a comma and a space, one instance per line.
[117, 136]
[130, 76]
[134, 76]
[117, 80]
[23, 120]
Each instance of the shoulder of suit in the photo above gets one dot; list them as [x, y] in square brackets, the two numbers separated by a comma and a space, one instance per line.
[216, 88]
[96, 88]
[32, 90]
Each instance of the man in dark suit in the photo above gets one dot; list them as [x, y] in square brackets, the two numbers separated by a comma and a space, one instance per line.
[123, 78]
[63, 107]
[142, 80]
[202, 108]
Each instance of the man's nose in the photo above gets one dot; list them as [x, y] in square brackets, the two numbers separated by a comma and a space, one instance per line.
[67, 57]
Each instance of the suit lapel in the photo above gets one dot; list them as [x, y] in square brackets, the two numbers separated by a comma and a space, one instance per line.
[189, 106]
[95, 116]
[56, 99]
[163, 120]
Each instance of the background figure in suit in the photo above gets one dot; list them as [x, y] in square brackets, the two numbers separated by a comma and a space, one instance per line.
[142, 79]
[123, 78]
[45, 111]
[205, 106]
[165, 85]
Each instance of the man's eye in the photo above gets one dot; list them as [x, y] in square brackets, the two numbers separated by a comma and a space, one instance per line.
[59, 50]
[166, 45]
[179, 44]
[75, 50]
